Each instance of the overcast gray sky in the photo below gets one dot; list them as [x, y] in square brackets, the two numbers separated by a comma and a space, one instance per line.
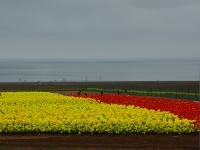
[126, 29]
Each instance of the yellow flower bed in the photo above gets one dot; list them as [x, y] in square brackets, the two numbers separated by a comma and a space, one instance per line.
[42, 112]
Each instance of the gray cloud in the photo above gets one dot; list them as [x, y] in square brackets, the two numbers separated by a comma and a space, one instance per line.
[99, 29]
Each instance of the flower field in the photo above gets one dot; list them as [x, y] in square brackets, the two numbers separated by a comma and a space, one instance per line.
[43, 112]
[182, 108]
[187, 93]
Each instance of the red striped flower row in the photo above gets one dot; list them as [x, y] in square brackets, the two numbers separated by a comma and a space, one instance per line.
[182, 108]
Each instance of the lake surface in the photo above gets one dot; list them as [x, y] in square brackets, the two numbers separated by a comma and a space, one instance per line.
[98, 70]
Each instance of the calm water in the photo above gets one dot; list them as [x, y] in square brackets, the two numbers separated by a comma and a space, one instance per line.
[102, 70]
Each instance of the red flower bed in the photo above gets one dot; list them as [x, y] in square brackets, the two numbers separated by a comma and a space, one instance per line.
[182, 108]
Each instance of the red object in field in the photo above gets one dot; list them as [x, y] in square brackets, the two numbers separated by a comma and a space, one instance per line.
[183, 108]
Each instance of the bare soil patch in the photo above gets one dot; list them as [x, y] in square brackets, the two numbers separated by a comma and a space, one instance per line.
[99, 142]
[63, 86]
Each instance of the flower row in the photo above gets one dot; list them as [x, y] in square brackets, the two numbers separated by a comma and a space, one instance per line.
[182, 108]
[41, 112]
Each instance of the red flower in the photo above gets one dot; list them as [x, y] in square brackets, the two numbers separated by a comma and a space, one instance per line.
[183, 108]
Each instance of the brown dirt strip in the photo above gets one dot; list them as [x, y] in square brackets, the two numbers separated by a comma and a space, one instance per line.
[101, 142]
[62, 86]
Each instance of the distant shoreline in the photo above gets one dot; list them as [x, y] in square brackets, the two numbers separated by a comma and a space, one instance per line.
[59, 86]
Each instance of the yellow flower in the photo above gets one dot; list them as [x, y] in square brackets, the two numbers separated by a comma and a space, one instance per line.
[47, 112]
